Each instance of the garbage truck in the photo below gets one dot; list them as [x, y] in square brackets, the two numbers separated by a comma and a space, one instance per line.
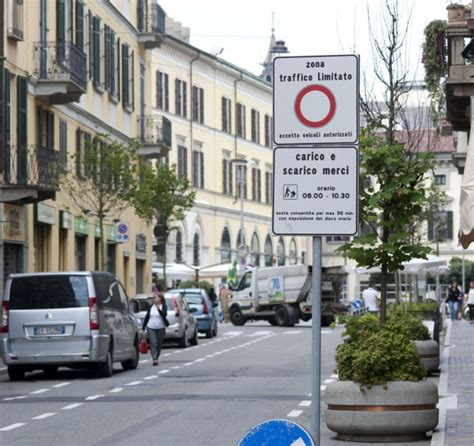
[281, 295]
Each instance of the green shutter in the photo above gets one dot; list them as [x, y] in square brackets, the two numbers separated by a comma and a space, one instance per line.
[2, 118]
[60, 28]
[50, 136]
[22, 128]
[79, 25]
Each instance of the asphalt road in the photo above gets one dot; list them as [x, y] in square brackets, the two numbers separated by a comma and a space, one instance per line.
[206, 395]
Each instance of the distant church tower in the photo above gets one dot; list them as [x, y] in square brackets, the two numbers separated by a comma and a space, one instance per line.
[276, 48]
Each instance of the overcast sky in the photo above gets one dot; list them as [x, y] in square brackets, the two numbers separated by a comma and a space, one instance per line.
[309, 27]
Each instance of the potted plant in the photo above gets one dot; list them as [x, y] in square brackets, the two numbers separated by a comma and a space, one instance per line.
[381, 394]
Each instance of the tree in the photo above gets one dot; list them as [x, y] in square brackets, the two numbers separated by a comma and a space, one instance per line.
[163, 197]
[394, 180]
[102, 181]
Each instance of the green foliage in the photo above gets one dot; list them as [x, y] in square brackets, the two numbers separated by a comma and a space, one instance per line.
[204, 284]
[371, 354]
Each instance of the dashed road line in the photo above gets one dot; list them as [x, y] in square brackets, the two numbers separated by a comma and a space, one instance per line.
[20, 397]
[134, 383]
[294, 413]
[61, 384]
[94, 397]
[292, 332]
[72, 406]
[44, 415]
[162, 372]
[151, 377]
[37, 392]
[116, 390]
[12, 426]
[305, 403]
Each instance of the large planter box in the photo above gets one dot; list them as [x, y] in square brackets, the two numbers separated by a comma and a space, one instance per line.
[404, 411]
[428, 351]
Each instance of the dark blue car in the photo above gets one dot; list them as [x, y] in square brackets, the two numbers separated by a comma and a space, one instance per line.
[205, 312]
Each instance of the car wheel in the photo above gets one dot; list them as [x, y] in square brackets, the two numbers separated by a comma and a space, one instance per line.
[132, 363]
[209, 332]
[272, 321]
[50, 371]
[282, 316]
[214, 332]
[194, 339]
[183, 340]
[106, 369]
[236, 316]
[16, 373]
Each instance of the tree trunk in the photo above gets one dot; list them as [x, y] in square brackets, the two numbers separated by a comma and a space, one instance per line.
[383, 293]
[165, 239]
[397, 287]
[102, 245]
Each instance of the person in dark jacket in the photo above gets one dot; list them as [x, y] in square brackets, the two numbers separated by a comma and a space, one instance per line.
[452, 300]
[155, 323]
[212, 295]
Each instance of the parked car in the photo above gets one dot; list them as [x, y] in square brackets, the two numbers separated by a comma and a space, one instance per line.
[75, 319]
[183, 326]
[206, 312]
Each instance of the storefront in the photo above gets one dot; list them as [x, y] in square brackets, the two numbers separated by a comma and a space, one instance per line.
[45, 218]
[140, 255]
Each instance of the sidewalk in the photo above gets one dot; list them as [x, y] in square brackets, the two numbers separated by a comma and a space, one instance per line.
[456, 387]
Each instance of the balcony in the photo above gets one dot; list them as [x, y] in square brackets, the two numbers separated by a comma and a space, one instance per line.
[28, 175]
[154, 133]
[61, 75]
[151, 26]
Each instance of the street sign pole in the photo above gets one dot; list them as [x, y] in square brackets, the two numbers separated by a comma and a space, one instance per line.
[316, 343]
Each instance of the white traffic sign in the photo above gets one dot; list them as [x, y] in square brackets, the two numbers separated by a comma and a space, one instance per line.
[316, 100]
[122, 232]
[315, 191]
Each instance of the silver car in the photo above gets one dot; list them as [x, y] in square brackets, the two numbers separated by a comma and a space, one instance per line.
[183, 326]
[76, 319]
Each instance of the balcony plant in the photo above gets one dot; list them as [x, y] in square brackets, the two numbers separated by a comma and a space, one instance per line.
[382, 385]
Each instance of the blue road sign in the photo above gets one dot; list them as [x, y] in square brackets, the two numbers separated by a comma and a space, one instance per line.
[277, 433]
[357, 304]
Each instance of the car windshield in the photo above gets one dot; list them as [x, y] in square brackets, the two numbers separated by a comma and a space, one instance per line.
[142, 305]
[47, 292]
[194, 299]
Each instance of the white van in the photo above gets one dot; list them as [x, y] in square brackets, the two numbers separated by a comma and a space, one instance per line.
[76, 319]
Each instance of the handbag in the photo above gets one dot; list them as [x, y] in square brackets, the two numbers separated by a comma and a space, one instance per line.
[143, 346]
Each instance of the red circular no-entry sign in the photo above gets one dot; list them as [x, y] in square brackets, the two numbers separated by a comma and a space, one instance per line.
[329, 115]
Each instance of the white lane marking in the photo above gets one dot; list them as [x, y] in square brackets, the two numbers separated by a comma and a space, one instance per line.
[188, 363]
[177, 352]
[163, 371]
[258, 333]
[12, 426]
[2, 369]
[199, 359]
[116, 390]
[37, 392]
[71, 406]
[166, 354]
[329, 381]
[134, 383]
[326, 331]
[334, 376]
[294, 413]
[61, 384]
[176, 367]
[305, 403]
[44, 415]
[151, 377]
[21, 397]
[94, 397]
[292, 332]
[323, 387]
[144, 360]
[232, 333]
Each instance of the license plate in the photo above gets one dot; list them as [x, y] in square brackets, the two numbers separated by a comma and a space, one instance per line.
[42, 331]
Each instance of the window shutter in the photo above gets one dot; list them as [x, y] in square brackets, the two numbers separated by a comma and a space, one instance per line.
[132, 81]
[96, 45]
[252, 115]
[166, 93]
[3, 147]
[201, 158]
[238, 129]
[177, 97]
[449, 225]
[108, 74]
[195, 169]
[125, 92]
[185, 98]
[91, 46]
[79, 25]
[60, 28]
[259, 186]
[78, 155]
[50, 137]
[224, 115]
[245, 182]
[229, 111]
[224, 176]
[118, 69]
[231, 173]
[63, 142]
[201, 106]
[22, 115]
[194, 112]
[185, 162]
[113, 62]
[254, 185]
[159, 86]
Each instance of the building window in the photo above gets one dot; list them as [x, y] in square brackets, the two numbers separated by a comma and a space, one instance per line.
[127, 76]
[15, 19]
[293, 253]
[198, 105]
[440, 180]
[255, 250]
[281, 252]
[179, 247]
[196, 249]
[240, 238]
[227, 177]
[241, 176]
[45, 128]
[198, 169]
[255, 121]
[111, 62]
[268, 251]
[256, 184]
[268, 130]
[268, 187]
[240, 120]
[63, 143]
[180, 98]
[182, 162]
[162, 91]
[440, 226]
[226, 115]
[225, 246]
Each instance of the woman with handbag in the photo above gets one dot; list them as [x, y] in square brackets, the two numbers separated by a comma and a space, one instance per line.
[155, 323]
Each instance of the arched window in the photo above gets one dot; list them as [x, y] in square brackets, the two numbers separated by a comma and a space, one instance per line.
[196, 250]
[293, 254]
[255, 250]
[179, 247]
[225, 246]
[268, 250]
[281, 252]
[240, 240]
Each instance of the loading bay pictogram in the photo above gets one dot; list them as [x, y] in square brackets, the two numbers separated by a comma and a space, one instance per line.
[290, 191]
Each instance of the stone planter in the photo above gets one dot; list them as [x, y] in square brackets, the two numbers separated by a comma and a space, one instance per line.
[404, 411]
[428, 351]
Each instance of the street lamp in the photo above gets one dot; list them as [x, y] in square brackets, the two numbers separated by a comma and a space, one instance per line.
[242, 247]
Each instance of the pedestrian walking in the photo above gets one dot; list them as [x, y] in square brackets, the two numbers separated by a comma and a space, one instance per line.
[470, 301]
[370, 296]
[155, 323]
[212, 295]
[452, 300]
[224, 294]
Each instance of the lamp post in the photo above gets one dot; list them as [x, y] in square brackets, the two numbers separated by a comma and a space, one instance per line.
[241, 251]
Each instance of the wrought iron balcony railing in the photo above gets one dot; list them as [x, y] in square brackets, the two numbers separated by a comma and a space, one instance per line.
[60, 61]
[154, 130]
[31, 166]
[151, 19]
